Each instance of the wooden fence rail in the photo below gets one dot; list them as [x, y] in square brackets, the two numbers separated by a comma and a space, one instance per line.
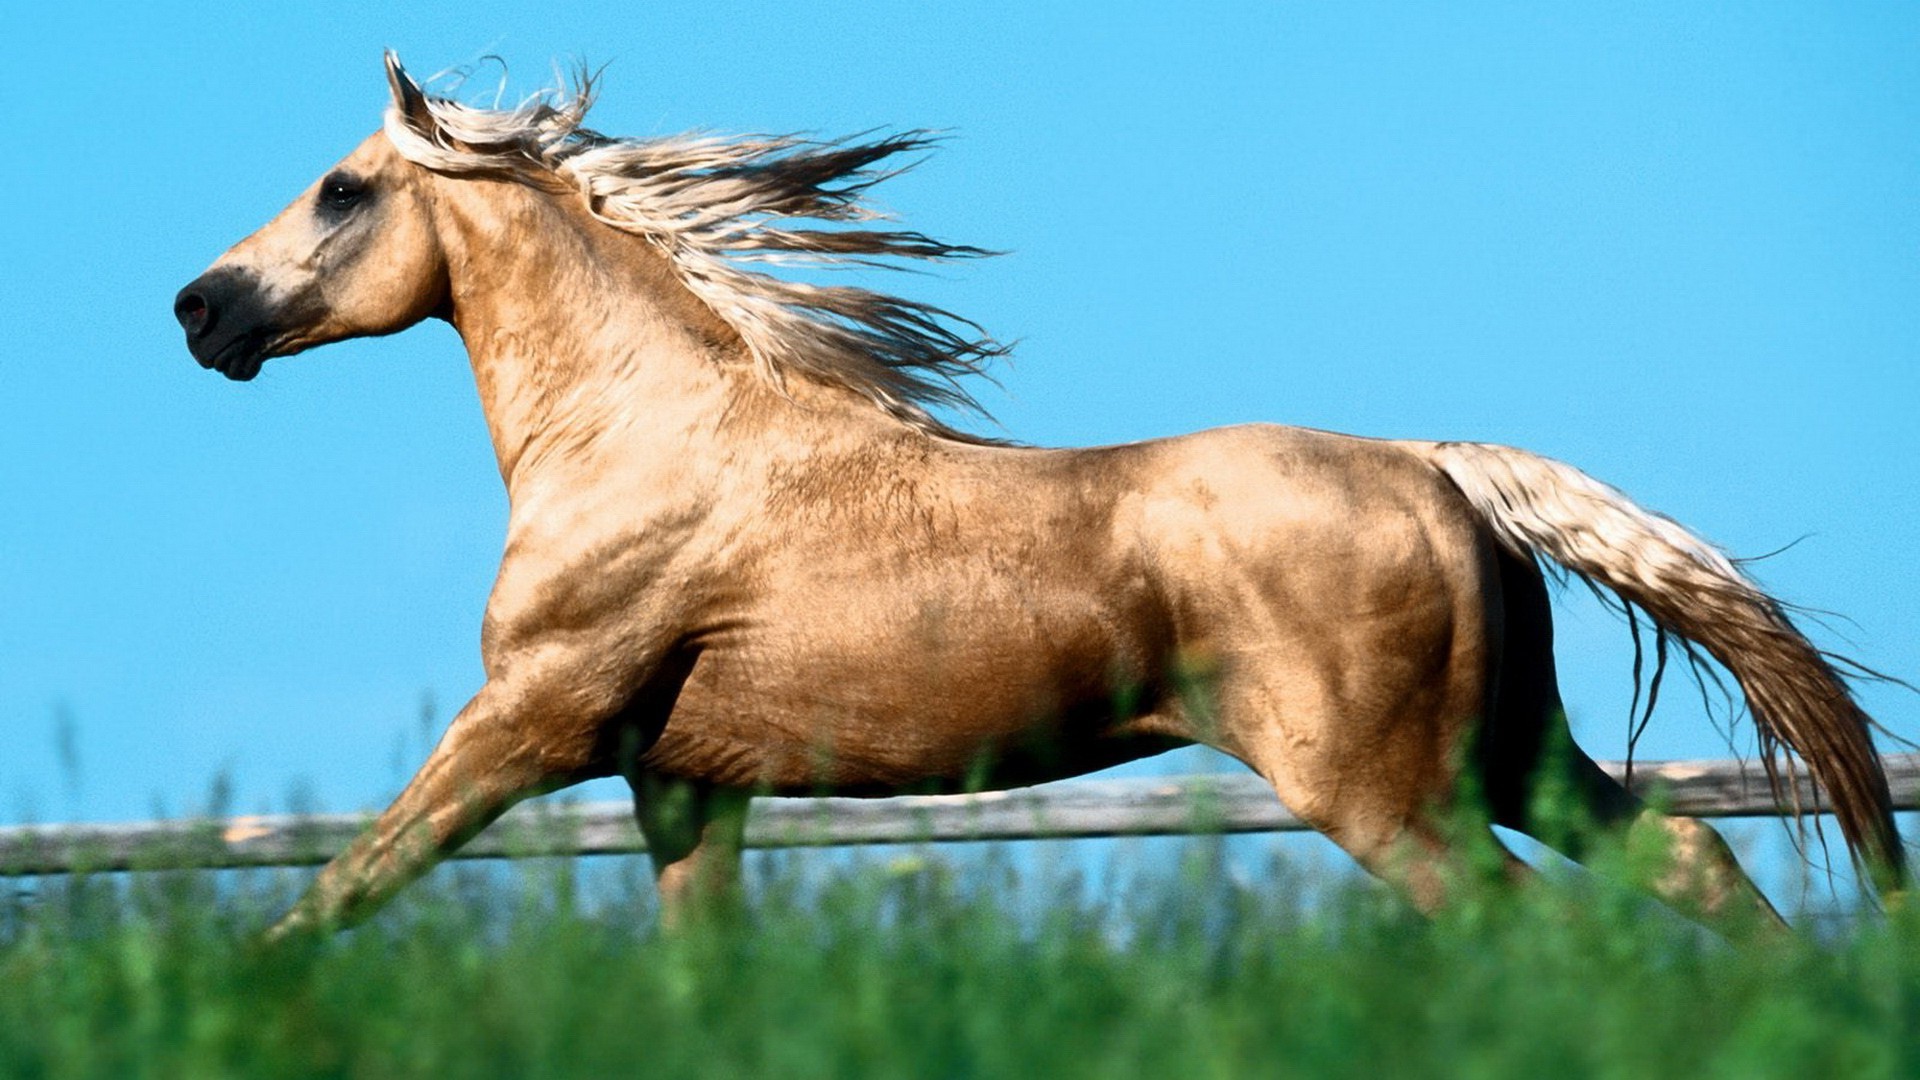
[1233, 803]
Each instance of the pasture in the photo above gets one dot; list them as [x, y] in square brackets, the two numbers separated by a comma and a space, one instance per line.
[751, 542]
[956, 962]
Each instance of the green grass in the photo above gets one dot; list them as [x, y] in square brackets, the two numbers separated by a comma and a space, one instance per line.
[934, 967]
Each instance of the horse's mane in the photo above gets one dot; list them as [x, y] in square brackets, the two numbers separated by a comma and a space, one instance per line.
[714, 205]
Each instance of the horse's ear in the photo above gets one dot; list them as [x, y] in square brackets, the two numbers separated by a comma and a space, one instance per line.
[407, 95]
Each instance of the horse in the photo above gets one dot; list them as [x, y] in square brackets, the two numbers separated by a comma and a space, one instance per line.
[744, 555]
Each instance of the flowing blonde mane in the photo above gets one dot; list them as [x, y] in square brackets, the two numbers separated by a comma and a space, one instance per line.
[716, 205]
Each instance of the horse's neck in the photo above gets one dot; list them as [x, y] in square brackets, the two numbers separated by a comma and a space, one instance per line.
[577, 340]
[588, 351]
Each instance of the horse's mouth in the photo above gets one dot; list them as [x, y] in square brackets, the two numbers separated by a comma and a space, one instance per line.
[240, 359]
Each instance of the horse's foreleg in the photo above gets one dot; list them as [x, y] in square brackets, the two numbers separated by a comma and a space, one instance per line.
[488, 760]
[694, 833]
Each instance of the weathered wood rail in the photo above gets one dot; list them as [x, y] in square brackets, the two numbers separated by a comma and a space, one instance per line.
[1077, 809]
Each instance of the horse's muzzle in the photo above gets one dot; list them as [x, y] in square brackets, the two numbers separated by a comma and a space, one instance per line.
[227, 320]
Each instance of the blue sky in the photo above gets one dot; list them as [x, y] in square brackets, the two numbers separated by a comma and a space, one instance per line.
[1676, 245]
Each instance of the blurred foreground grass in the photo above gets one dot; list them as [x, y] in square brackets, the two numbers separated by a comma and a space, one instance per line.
[933, 966]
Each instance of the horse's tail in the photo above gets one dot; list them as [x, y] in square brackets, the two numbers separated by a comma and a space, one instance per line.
[1535, 505]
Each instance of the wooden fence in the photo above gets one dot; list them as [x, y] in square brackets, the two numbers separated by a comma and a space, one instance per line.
[1230, 803]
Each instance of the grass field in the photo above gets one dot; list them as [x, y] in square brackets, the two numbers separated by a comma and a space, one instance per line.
[937, 966]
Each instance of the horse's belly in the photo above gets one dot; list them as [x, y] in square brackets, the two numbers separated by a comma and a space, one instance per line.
[985, 710]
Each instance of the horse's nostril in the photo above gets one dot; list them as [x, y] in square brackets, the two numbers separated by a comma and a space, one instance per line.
[191, 310]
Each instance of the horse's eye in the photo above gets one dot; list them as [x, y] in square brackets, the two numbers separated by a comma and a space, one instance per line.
[341, 192]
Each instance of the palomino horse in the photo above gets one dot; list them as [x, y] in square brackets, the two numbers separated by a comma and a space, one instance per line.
[742, 557]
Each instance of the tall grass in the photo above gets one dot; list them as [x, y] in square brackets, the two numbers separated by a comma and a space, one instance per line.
[941, 966]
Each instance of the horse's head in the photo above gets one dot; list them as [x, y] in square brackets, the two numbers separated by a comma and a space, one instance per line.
[355, 255]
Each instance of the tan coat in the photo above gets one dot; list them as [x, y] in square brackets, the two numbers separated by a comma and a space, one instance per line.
[728, 573]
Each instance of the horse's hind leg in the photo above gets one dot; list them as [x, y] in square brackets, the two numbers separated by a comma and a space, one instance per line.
[1358, 708]
[1376, 767]
[694, 834]
[1395, 813]
[1525, 750]
[1696, 873]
